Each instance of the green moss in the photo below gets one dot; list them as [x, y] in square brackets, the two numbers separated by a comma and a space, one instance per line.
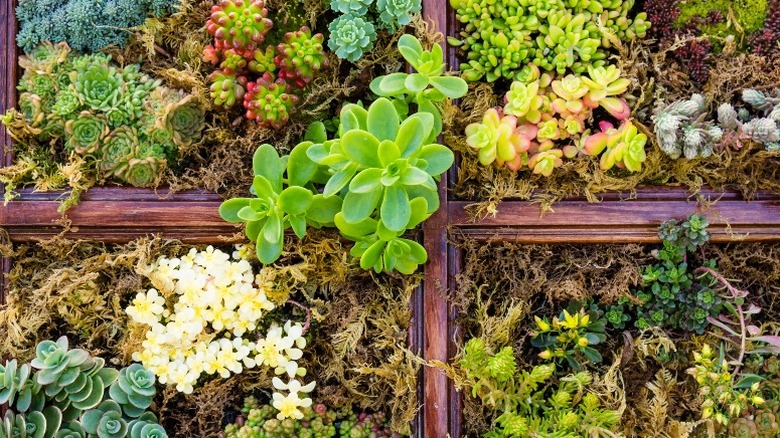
[750, 15]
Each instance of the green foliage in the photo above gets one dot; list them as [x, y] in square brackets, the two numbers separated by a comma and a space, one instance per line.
[385, 169]
[569, 337]
[67, 393]
[758, 121]
[530, 403]
[354, 32]
[749, 15]
[319, 421]
[672, 295]
[351, 36]
[378, 176]
[122, 119]
[725, 399]
[427, 87]
[682, 128]
[394, 14]
[133, 390]
[501, 37]
[86, 25]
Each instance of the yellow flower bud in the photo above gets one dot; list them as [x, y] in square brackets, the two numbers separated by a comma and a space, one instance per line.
[583, 342]
[546, 354]
[542, 324]
[757, 401]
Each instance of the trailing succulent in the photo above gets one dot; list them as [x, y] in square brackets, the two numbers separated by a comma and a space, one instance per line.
[85, 25]
[673, 295]
[319, 420]
[544, 120]
[261, 79]
[353, 33]
[123, 120]
[529, 403]
[500, 38]
[377, 176]
[67, 393]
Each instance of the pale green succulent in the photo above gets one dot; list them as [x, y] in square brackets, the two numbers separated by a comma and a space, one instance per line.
[397, 13]
[351, 36]
[84, 134]
[105, 421]
[98, 86]
[356, 7]
[133, 390]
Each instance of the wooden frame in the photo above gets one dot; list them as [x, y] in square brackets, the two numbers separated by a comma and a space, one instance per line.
[121, 214]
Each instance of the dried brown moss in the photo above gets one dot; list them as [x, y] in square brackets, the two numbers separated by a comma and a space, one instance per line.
[358, 350]
[170, 49]
[503, 285]
[656, 80]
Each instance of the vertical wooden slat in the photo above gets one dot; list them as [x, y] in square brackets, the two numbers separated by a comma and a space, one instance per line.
[7, 100]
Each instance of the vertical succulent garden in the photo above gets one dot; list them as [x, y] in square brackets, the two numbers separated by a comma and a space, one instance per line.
[619, 340]
[303, 116]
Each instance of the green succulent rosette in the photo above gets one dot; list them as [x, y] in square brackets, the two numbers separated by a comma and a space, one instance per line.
[85, 133]
[397, 13]
[105, 421]
[185, 119]
[350, 37]
[134, 390]
[66, 102]
[142, 172]
[99, 86]
[117, 150]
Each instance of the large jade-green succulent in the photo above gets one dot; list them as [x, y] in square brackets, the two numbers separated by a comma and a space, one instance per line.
[427, 87]
[385, 168]
[275, 207]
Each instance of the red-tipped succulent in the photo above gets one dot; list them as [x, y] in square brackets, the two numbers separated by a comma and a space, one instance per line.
[269, 102]
[300, 56]
[241, 24]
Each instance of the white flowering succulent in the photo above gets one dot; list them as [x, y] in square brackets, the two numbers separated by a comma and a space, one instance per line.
[217, 302]
[289, 405]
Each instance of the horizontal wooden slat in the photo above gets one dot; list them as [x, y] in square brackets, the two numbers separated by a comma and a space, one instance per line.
[616, 220]
[118, 215]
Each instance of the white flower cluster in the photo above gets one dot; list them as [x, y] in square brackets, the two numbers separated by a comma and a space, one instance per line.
[217, 304]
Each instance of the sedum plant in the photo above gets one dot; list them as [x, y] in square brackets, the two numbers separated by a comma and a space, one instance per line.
[570, 336]
[760, 123]
[527, 403]
[548, 117]
[262, 79]
[500, 37]
[64, 393]
[426, 87]
[673, 295]
[682, 129]
[319, 420]
[85, 25]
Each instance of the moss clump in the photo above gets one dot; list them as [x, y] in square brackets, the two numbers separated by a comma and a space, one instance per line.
[749, 15]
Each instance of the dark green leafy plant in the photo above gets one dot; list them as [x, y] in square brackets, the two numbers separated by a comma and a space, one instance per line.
[672, 295]
[569, 337]
[528, 403]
